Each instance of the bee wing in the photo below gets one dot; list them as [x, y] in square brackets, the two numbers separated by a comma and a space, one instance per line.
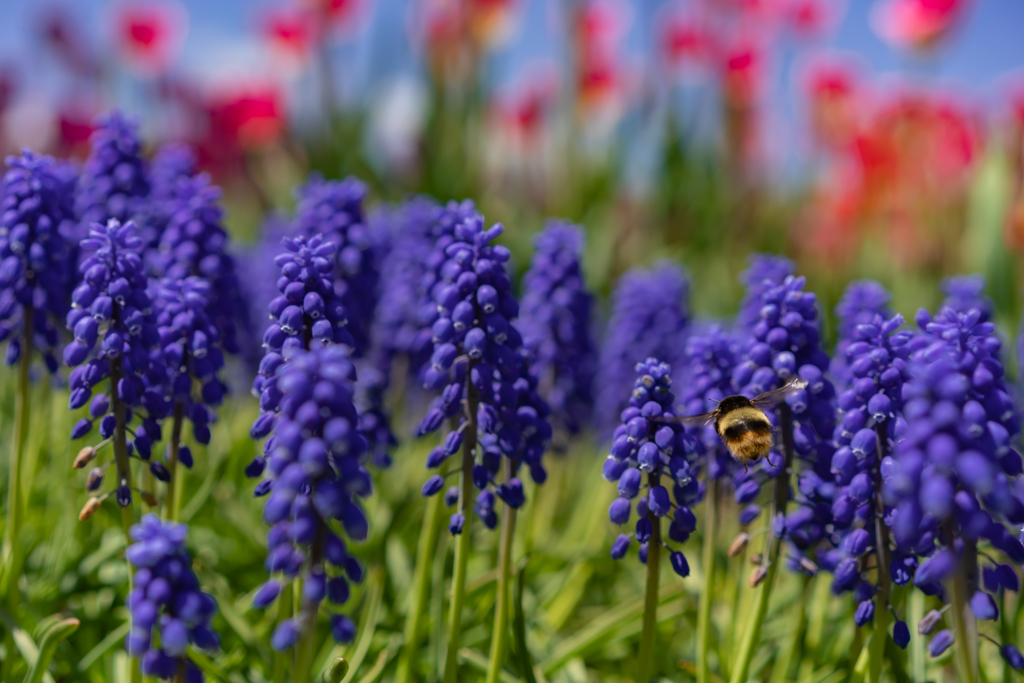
[776, 395]
[692, 420]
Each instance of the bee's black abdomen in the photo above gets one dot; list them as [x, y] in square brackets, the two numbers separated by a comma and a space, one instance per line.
[736, 429]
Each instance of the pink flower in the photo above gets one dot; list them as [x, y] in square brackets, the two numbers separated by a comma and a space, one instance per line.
[522, 110]
[687, 41]
[813, 18]
[345, 18]
[835, 99]
[148, 34]
[249, 116]
[916, 24]
[290, 32]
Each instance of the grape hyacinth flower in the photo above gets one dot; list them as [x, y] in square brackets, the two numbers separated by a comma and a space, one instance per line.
[479, 362]
[964, 292]
[335, 210]
[954, 478]
[191, 351]
[35, 282]
[650, 312]
[114, 181]
[871, 419]
[193, 242]
[315, 462]
[666, 454]
[172, 163]
[374, 422]
[406, 309]
[557, 326]
[861, 302]
[114, 328]
[166, 597]
[307, 313]
[785, 343]
[765, 271]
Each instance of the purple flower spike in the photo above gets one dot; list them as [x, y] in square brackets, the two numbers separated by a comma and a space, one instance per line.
[315, 459]
[556, 323]
[36, 264]
[166, 596]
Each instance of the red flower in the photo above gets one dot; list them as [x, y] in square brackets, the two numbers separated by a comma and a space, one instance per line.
[835, 99]
[249, 117]
[687, 41]
[742, 71]
[148, 34]
[521, 112]
[812, 18]
[344, 17]
[916, 24]
[290, 32]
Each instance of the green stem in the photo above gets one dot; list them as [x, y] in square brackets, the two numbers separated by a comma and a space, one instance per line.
[876, 652]
[124, 476]
[966, 653]
[15, 498]
[918, 663]
[421, 587]
[451, 667]
[499, 639]
[645, 666]
[707, 596]
[172, 500]
[305, 651]
[752, 636]
[282, 660]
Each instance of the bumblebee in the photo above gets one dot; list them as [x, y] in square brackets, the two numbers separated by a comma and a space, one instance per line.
[742, 424]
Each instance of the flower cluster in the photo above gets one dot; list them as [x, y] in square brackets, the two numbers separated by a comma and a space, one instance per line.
[964, 292]
[35, 268]
[953, 480]
[665, 453]
[306, 313]
[315, 460]
[556, 325]
[194, 242]
[406, 309]
[171, 164]
[479, 363]
[114, 181]
[191, 352]
[870, 413]
[785, 344]
[765, 271]
[374, 421]
[335, 210]
[166, 597]
[649, 318]
[111, 302]
[861, 302]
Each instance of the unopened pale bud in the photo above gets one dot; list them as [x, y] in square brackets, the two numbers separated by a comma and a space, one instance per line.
[90, 508]
[739, 544]
[757, 576]
[756, 558]
[84, 457]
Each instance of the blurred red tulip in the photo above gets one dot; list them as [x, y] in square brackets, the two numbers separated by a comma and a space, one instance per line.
[344, 18]
[742, 64]
[599, 27]
[813, 18]
[916, 24]
[249, 117]
[490, 20]
[77, 123]
[149, 34]
[290, 33]
[835, 100]
[687, 40]
[522, 110]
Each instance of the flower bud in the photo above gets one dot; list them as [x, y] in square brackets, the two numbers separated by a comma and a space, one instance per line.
[90, 508]
[757, 576]
[84, 457]
[739, 544]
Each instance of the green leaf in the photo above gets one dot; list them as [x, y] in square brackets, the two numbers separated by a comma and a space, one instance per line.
[520, 649]
[207, 665]
[53, 636]
[478, 661]
[106, 645]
